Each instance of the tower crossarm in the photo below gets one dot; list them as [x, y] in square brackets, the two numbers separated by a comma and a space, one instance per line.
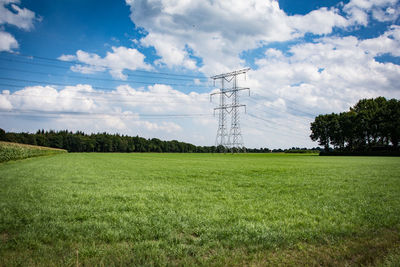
[229, 91]
[233, 73]
[230, 106]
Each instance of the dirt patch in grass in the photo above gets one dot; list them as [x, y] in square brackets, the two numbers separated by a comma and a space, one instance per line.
[4, 237]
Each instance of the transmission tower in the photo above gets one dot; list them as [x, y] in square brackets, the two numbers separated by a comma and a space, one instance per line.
[234, 139]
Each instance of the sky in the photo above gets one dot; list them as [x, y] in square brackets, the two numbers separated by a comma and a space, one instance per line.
[143, 67]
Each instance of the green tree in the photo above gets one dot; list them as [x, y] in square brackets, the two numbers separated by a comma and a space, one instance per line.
[393, 122]
[320, 131]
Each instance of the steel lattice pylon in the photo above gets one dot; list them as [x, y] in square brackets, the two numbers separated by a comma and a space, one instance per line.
[222, 132]
[234, 139]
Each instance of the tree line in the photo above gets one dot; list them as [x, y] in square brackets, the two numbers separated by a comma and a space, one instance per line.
[99, 142]
[370, 125]
[104, 142]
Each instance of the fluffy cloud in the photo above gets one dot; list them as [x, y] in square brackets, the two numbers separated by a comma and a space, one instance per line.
[155, 111]
[387, 43]
[12, 14]
[120, 59]
[218, 31]
[381, 10]
[330, 74]
[158, 99]
[289, 86]
[179, 30]
[7, 41]
[319, 22]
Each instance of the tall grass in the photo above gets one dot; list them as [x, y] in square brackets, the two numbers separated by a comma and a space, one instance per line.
[13, 151]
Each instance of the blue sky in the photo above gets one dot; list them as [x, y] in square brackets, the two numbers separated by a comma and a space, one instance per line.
[141, 67]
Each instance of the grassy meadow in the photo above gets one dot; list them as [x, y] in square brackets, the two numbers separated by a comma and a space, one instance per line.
[81, 209]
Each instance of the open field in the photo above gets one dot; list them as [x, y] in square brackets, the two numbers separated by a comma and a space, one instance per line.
[14, 151]
[200, 209]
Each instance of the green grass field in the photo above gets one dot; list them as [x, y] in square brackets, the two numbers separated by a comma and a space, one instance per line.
[200, 209]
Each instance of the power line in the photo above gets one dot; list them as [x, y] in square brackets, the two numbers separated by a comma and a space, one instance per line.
[276, 111]
[287, 127]
[65, 84]
[105, 79]
[135, 100]
[113, 89]
[41, 113]
[263, 119]
[273, 131]
[116, 95]
[106, 67]
[35, 63]
[93, 78]
[42, 82]
[288, 100]
[139, 97]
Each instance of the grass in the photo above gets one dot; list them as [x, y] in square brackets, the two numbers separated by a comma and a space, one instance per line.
[200, 209]
[13, 151]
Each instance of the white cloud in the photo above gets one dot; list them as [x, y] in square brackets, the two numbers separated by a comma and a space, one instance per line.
[4, 102]
[218, 31]
[171, 54]
[7, 42]
[12, 14]
[149, 113]
[67, 57]
[120, 59]
[320, 21]
[329, 75]
[381, 10]
[87, 69]
[389, 42]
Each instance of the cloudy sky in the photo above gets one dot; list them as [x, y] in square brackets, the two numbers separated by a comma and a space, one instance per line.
[142, 67]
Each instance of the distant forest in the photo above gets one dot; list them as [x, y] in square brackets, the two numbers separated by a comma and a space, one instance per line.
[371, 125]
[104, 142]
[100, 142]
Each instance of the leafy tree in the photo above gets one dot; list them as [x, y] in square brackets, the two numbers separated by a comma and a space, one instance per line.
[2, 134]
[320, 131]
[392, 122]
[370, 124]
